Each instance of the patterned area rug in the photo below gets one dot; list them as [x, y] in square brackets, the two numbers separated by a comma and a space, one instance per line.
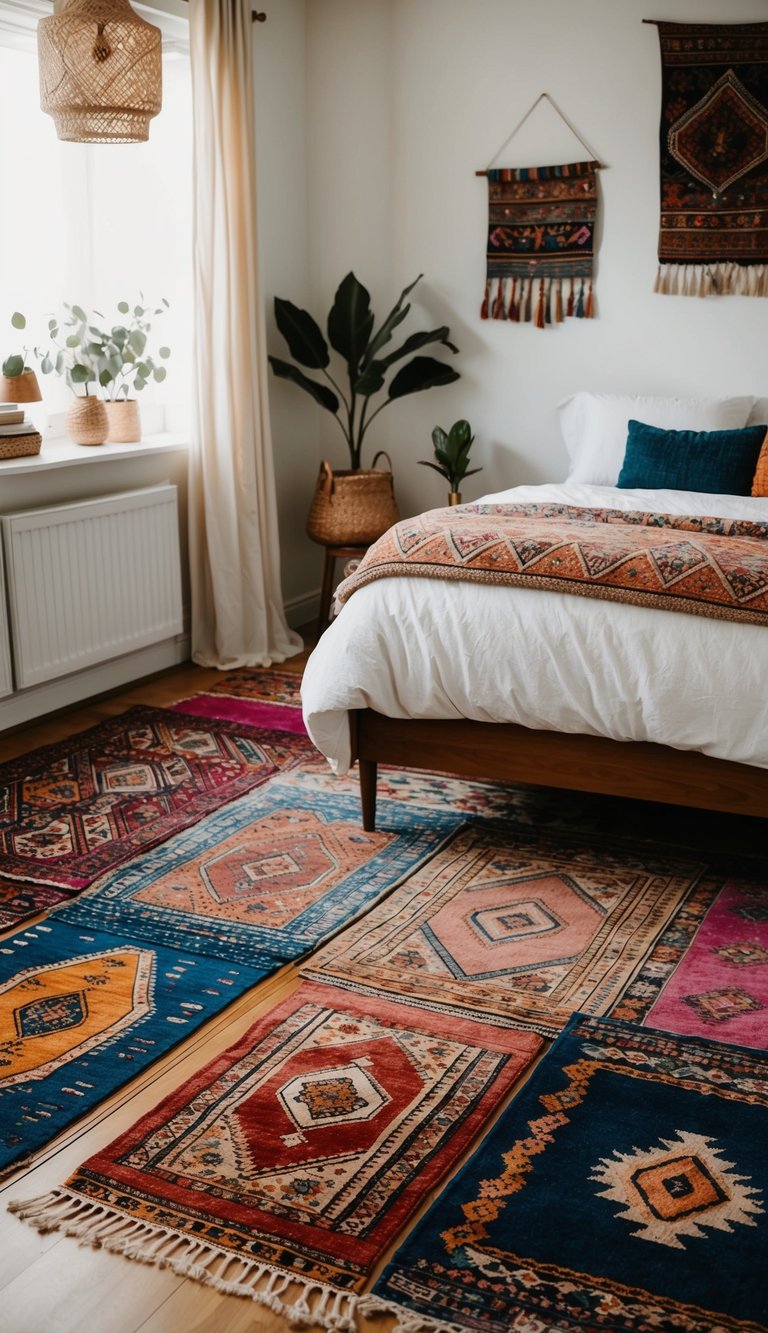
[19, 902]
[298, 1154]
[266, 878]
[73, 811]
[83, 1012]
[708, 975]
[626, 1187]
[512, 926]
[255, 696]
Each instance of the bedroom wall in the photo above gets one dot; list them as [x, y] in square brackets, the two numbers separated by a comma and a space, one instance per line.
[405, 99]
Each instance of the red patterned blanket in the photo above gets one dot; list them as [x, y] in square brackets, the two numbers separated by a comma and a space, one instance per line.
[714, 567]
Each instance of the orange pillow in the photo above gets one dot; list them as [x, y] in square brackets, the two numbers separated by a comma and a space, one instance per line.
[760, 479]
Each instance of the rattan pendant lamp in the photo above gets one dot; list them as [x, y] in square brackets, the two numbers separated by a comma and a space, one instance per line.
[100, 71]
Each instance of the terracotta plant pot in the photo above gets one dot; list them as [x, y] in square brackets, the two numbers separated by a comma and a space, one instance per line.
[87, 421]
[22, 388]
[124, 421]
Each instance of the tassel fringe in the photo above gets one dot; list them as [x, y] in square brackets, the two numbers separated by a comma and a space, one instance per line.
[94, 1224]
[408, 1321]
[537, 301]
[712, 280]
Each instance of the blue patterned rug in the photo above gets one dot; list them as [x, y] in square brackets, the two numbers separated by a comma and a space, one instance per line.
[625, 1188]
[82, 1012]
[266, 878]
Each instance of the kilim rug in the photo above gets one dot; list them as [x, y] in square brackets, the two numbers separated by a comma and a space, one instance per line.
[83, 1012]
[258, 697]
[298, 1154]
[266, 878]
[18, 902]
[625, 1187]
[513, 926]
[72, 811]
[714, 159]
[708, 974]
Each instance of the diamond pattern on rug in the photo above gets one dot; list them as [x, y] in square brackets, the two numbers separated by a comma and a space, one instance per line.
[84, 1012]
[266, 878]
[708, 974]
[301, 1151]
[72, 811]
[625, 1187]
[514, 926]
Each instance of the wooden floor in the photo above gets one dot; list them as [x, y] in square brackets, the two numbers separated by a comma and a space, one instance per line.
[50, 1284]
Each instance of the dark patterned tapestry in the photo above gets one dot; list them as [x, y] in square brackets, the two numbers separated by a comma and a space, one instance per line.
[541, 223]
[714, 159]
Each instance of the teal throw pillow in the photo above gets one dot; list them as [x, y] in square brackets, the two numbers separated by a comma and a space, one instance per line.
[719, 462]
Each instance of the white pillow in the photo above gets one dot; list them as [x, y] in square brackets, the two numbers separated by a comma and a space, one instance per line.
[594, 426]
[759, 413]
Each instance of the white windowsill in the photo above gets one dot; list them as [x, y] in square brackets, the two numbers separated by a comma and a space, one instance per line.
[62, 453]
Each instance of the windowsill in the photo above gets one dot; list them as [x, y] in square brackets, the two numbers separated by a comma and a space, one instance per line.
[62, 453]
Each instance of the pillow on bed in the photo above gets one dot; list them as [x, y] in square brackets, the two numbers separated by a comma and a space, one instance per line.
[718, 462]
[760, 479]
[594, 426]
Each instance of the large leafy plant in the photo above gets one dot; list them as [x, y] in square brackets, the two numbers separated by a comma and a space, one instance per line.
[352, 336]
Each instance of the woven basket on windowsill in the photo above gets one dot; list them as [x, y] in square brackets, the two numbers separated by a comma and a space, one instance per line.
[352, 508]
[20, 446]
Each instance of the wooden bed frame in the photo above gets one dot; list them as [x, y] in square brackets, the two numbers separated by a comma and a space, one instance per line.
[507, 752]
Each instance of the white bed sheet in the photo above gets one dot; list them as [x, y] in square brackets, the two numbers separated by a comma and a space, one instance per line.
[425, 648]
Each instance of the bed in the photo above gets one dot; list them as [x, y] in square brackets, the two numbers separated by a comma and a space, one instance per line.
[533, 685]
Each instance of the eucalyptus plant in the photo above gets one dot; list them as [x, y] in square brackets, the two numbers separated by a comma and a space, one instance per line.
[452, 454]
[352, 335]
[110, 357]
[16, 363]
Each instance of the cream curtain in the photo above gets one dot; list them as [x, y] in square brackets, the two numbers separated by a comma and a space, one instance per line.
[237, 612]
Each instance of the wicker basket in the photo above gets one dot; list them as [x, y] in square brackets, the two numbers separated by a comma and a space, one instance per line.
[352, 508]
[20, 446]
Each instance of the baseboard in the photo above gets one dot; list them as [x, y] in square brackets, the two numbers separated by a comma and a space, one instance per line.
[39, 700]
[303, 610]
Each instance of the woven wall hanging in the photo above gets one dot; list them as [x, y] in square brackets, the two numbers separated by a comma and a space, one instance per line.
[540, 248]
[713, 237]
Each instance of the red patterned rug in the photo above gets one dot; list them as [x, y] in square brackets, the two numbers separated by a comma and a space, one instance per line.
[19, 902]
[299, 1154]
[514, 926]
[70, 812]
[257, 696]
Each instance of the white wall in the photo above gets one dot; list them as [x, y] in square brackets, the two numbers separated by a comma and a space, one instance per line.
[405, 99]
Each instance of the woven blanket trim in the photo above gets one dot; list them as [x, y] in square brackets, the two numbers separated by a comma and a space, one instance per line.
[688, 605]
[330, 978]
[408, 1321]
[105, 1228]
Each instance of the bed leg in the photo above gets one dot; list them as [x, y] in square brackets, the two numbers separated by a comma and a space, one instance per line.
[368, 793]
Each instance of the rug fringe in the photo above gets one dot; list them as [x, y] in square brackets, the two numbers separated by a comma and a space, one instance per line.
[408, 1321]
[725, 279]
[103, 1228]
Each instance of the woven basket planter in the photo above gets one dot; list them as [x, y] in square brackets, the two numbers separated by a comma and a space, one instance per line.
[20, 446]
[124, 421]
[352, 508]
[87, 421]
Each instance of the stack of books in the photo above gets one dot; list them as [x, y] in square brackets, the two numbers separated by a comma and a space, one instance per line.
[18, 437]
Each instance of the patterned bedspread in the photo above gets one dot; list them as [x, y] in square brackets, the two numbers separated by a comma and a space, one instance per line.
[715, 567]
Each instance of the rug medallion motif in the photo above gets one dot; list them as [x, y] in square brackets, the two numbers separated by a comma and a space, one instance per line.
[625, 1187]
[72, 811]
[514, 927]
[264, 879]
[302, 1150]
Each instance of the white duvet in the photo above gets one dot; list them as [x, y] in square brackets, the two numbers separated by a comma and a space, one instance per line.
[425, 648]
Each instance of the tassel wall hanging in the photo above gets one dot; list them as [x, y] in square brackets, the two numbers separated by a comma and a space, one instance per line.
[540, 248]
[713, 237]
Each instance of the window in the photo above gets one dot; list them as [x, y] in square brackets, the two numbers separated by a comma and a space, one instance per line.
[96, 224]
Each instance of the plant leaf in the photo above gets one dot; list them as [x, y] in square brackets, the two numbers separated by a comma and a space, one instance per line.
[371, 380]
[18, 321]
[80, 374]
[79, 313]
[13, 366]
[440, 471]
[396, 316]
[320, 392]
[423, 372]
[350, 322]
[123, 307]
[304, 338]
[417, 340]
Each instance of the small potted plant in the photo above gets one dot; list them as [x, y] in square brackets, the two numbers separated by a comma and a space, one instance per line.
[355, 506]
[452, 455]
[112, 359]
[19, 382]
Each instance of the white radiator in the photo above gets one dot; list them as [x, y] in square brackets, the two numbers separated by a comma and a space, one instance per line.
[91, 581]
